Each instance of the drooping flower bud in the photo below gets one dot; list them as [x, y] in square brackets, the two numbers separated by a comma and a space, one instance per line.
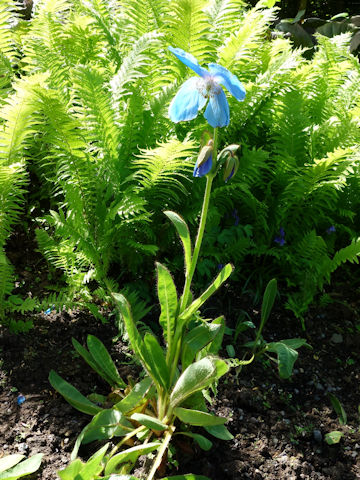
[231, 167]
[203, 164]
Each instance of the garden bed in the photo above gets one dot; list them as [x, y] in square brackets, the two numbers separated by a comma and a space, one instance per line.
[279, 425]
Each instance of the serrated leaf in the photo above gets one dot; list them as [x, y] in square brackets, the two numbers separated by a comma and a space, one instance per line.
[149, 422]
[72, 395]
[129, 455]
[198, 418]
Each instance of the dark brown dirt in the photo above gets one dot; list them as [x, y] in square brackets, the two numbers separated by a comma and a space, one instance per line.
[279, 425]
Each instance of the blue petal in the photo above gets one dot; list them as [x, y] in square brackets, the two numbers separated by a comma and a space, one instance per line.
[189, 60]
[217, 112]
[230, 81]
[187, 102]
[204, 169]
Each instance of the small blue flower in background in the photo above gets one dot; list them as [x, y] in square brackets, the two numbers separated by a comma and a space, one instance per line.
[280, 239]
[221, 266]
[196, 91]
[20, 399]
[331, 230]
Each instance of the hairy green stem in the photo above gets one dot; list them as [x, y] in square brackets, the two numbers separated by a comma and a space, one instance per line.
[161, 452]
[199, 238]
[177, 343]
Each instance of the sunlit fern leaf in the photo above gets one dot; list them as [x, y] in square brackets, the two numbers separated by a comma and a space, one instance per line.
[106, 19]
[8, 19]
[187, 28]
[161, 171]
[142, 17]
[224, 15]
[136, 63]
[250, 33]
[95, 111]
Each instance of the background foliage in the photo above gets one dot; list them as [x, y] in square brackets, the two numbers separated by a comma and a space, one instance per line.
[84, 91]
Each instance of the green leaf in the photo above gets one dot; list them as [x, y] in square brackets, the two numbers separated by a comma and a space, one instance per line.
[198, 418]
[105, 425]
[203, 442]
[149, 422]
[196, 339]
[72, 470]
[215, 345]
[216, 284]
[156, 359]
[168, 302]
[220, 431]
[135, 339]
[333, 437]
[195, 377]
[102, 358]
[339, 409]
[72, 395]
[286, 357]
[129, 455]
[9, 461]
[135, 396]
[23, 468]
[91, 362]
[268, 301]
[184, 234]
[94, 465]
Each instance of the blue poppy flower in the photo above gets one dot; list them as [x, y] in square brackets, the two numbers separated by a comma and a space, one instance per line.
[280, 239]
[331, 230]
[197, 91]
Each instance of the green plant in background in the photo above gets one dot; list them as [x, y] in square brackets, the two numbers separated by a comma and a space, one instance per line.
[285, 350]
[84, 91]
[14, 466]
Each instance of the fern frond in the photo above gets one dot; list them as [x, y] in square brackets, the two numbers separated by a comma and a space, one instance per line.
[160, 171]
[249, 35]
[188, 27]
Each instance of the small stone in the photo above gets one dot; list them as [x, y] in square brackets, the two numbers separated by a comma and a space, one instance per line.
[317, 436]
[23, 448]
[336, 338]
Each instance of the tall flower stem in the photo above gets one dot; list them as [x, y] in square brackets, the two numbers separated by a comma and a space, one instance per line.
[201, 230]
[177, 341]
